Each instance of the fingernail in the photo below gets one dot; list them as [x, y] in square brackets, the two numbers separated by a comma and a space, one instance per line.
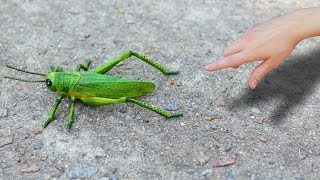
[254, 83]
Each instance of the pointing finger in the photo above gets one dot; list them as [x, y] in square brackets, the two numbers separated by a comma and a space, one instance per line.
[234, 60]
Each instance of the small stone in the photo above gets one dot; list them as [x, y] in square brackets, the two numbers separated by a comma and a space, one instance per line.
[36, 130]
[210, 118]
[255, 110]
[37, 145]
[31, 169]
[263, 139]
[172, 105]
[100, 153]
[192, 94]
[206, 172]
[229, 175]
[252, 117]
[113, 177]
[123, 109]
[227, 147]
[201, 158]
[52, 172]
[6, 141]
[171, 82]
[130, 104]
[81, 170]
[3, 112]
[221, 161]
[222, 102]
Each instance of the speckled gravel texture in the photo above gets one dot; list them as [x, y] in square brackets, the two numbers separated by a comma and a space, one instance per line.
[272, 132]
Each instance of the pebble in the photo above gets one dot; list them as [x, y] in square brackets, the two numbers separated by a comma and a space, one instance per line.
[227, 147]
[206, 172]
[221, 161]
[37, 145]
[192, 94]
[3, 112]
[113, 177]
[100, 153]
[255, 110]
[263, 139]
[229, 175]
[81, 170]
[130, 104]
[52, 172]
[172, 105]
[36, 130]
[123, 109]
[31, 169]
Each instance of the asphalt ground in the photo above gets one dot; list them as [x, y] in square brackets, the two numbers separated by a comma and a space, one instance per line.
[227, 131]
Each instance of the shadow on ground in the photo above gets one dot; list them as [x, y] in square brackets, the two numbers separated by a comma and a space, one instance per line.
[289, 86]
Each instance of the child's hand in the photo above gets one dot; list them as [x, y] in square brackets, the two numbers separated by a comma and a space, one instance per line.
[270, 42]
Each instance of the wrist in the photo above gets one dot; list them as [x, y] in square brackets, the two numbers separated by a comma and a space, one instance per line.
[308, 24]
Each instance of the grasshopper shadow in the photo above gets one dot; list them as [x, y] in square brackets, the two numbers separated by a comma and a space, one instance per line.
[289, 85]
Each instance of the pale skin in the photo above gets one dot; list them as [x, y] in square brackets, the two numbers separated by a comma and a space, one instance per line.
[269, 42]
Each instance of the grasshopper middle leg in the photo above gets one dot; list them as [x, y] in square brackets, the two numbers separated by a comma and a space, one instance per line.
[84, 66]
[71, 113]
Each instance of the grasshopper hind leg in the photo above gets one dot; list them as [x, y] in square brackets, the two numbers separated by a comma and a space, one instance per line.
[97, 101]
[104, 68]
[154, 109]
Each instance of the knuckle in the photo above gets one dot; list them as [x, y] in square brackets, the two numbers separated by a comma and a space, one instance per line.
[270, 66]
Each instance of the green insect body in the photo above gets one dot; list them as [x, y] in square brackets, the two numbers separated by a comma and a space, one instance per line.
[97, 89]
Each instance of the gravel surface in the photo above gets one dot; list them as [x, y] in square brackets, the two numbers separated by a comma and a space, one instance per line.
[227, 131]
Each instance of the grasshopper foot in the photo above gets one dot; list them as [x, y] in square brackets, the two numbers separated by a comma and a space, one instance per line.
[172, 72]
[175, 115]
[47, 123]
[69, 127]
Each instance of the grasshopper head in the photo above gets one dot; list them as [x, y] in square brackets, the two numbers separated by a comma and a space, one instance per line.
[50, 81]
[62, 82]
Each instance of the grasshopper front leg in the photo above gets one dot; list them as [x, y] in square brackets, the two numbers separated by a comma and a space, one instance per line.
[104, 68]
[53, 110]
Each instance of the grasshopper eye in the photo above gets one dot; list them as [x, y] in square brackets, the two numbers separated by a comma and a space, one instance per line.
[48, 82]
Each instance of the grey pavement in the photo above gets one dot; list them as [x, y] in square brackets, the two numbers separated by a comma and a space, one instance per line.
[272, 132]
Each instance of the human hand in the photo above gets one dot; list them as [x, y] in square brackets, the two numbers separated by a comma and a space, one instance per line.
[270, 42]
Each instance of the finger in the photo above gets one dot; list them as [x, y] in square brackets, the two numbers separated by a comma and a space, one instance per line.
[234, 60]
[260, 71]
[234, 48]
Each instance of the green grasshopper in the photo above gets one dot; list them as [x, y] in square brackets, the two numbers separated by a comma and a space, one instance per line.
[97, 89]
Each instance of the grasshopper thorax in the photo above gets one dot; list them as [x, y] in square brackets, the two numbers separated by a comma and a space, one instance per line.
[62, 82]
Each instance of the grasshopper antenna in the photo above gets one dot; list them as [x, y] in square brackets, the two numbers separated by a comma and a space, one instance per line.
[29, 72]
[24, 80]
[21, 70]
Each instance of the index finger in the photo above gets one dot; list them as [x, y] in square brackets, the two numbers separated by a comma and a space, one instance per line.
[234, 60]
